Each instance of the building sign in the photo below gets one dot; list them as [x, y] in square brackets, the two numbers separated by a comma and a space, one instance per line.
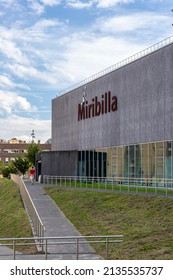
[107, 104]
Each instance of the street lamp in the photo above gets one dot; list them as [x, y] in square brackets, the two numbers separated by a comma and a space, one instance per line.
[33, 136]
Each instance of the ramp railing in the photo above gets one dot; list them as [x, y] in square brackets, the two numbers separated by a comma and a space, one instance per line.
[152, 186]
[76, 245]
[37, 225]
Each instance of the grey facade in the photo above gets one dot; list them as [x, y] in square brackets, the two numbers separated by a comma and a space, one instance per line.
[136, 139]
[144, 91]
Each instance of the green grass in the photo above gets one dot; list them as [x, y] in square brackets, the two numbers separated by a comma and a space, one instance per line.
[14, 221]
[146, 222]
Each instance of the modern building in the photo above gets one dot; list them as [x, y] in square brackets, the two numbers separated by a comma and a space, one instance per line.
[117, 123]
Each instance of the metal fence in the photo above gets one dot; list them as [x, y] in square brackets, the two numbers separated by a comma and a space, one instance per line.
[155, 186]
[77, 241]
[122, 63]
[37, 225]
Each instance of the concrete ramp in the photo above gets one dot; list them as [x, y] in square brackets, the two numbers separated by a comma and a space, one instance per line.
[57, 225]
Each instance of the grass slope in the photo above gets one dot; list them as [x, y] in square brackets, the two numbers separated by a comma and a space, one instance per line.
[14, 221]
[146, 222]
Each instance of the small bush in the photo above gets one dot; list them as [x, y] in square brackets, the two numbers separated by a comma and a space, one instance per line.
[6, 171]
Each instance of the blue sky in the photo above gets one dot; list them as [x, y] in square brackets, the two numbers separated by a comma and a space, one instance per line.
[49, 45]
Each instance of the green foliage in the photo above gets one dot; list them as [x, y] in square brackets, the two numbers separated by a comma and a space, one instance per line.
[33, 149]
[7, 170]
[21, 164]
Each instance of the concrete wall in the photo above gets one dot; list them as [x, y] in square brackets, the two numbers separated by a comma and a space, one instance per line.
[59, 163]
[144, 91]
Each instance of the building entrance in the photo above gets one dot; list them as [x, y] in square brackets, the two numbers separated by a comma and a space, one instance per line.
[92, 164]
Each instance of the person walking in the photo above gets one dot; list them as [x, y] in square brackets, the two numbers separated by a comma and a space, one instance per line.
[32, 173]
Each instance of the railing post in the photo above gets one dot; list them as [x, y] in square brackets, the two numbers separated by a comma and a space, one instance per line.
[155, 186]
[77, 249]
[43, 234]
[107, 248]
[166, 187]
[46, 249]
[14, 250]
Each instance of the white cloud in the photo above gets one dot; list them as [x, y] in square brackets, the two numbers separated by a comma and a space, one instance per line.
[111, 3]
[77, 4]
[10, 102]
[21, 127]
[28, 73]
[68, 57]
[45, 24]
[76, 56]
[21, 103]
[39, 6]
[11, 51]
[132, 22]
[86, 53]
[10, 3]
[36, 7]
[51, 2]
[96, 54]
[5, 83]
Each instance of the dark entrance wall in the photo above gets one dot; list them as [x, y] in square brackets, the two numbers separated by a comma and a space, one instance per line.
[58, 163]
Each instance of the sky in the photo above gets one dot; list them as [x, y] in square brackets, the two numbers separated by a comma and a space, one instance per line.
[47, 46]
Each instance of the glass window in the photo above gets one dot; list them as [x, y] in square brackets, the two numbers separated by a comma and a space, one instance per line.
[145, 161]
[168, 159]
[120, 162]
[159, 160]
[148, 160]
[114, 161]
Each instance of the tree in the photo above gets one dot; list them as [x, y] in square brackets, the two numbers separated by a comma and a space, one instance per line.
[33, 149]
[7, 170]
[21, 164]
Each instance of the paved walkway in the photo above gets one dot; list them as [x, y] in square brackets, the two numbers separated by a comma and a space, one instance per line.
[56, 225]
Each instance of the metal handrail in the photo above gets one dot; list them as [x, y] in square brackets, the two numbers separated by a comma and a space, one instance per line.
[38, 227]
[120, 64]
[161, 186]
[76, 240]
